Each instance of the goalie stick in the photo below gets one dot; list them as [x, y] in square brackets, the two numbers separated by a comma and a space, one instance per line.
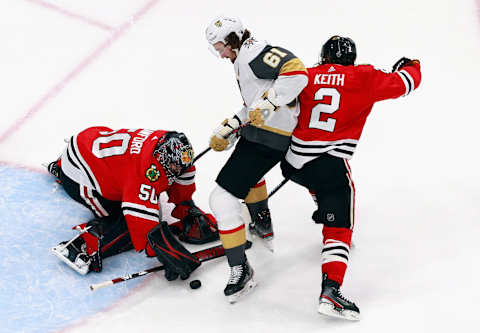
[202, 255]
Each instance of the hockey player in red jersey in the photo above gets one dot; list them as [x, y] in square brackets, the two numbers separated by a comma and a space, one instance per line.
[333, 109]
[119, 175]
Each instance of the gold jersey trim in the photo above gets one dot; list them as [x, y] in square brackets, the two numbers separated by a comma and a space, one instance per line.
[276, 130]
[293, 65]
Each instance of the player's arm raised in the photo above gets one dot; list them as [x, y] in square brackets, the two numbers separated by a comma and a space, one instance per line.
[405, 77]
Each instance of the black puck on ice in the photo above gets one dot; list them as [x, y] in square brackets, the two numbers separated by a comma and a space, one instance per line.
[195, 284]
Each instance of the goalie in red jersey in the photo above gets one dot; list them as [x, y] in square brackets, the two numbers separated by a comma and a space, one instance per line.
[119, 176]
[333, 109]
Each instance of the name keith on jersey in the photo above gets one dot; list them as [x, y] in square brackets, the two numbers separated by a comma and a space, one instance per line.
[332, 79]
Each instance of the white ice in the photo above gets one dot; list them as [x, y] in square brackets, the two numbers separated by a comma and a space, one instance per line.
[67, 65]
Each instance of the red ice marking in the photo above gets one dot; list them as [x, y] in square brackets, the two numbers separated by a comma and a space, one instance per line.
[56, 89]
[20, 166]
[71, 14]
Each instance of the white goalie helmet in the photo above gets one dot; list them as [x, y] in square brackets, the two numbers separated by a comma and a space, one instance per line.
[221, 27]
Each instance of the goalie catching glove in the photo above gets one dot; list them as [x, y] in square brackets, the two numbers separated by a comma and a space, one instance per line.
[225, 135]
[263, 108]
[177, 260]
[195, 226]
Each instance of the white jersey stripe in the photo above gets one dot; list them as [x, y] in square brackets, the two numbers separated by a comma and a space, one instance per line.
[352, 195]
[410, 79]
[96, 202]
[187, 174]
[324, 143]
[140, 215]
[301, 152]
[184, 182]
[187, 178]
[83, 190]
[84, 165]
[134, 206]
[407, 81]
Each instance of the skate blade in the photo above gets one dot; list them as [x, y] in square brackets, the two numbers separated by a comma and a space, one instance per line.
[330, 311]
[266, 241]
[56, 250]
[249, 286]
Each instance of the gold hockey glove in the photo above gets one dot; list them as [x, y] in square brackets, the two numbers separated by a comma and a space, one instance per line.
[263, 108]
[223, 137]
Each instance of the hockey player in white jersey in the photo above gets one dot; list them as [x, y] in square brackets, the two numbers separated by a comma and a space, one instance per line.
[270, 79]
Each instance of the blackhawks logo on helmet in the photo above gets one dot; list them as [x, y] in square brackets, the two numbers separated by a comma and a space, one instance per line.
[218, 23]
[187, 156]
[152, 173]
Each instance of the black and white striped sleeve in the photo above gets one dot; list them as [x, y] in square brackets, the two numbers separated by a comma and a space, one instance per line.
[187, 178]
[140, 211]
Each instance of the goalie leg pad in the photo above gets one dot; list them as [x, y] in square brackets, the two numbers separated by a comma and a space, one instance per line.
[113, 234]
[178, 261]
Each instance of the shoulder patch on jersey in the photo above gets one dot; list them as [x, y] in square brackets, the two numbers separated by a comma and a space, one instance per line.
[268, 63]
[152, 173]
[249, 42]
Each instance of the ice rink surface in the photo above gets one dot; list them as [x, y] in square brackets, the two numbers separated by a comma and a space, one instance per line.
[67, 65]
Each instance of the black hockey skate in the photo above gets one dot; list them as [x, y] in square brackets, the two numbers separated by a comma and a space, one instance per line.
[261, 226]
[240, 283]
[54, 169]
[333, 304]
[74, 254]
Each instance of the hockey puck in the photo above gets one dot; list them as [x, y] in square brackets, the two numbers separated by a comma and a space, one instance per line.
[195, 284]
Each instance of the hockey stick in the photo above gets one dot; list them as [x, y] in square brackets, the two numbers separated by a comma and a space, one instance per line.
[202, 255]
[279, 186]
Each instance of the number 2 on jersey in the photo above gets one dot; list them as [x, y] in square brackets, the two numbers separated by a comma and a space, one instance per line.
[329, 124]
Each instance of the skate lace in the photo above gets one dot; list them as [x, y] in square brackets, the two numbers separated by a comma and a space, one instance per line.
[235, 274]
[343, 298]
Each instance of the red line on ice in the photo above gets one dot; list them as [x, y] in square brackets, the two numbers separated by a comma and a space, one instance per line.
[56, 89]
[71, 14]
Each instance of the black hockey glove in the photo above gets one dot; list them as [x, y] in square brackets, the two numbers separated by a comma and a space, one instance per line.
[197, 227]
[178, 261]
[402, 62]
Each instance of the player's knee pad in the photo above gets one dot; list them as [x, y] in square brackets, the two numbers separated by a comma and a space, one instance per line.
[226, 208]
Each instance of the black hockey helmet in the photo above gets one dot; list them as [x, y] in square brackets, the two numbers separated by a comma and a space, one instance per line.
[338, 50]
[175, 153]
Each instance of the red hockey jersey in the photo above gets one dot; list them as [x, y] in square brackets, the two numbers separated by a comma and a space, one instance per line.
[120, 166]
[335, 104]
